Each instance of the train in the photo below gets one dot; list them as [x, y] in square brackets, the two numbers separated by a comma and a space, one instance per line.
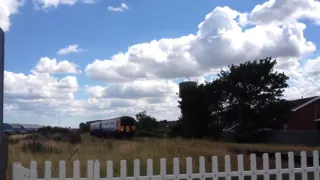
[119, 127]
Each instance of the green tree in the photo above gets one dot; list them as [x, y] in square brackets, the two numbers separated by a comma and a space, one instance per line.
[146, 122]
[252, 95]
[249, 94]
[177, 129]
[84, 128]
[195, 110]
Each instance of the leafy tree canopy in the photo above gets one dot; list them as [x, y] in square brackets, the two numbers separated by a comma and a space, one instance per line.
[248, 94]
[252, 94]
[146, 122]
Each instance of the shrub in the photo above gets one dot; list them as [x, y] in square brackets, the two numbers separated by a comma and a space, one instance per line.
[58, 137]
[74, 137]
[110, 144]
[32, 137]
[215, 131]
[84, 128]
[36, 146]
[52, 130]
[13, 141]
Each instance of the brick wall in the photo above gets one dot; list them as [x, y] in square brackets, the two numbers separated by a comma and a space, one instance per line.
[303, 119]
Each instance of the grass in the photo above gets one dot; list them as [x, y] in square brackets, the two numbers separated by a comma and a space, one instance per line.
[143, 149]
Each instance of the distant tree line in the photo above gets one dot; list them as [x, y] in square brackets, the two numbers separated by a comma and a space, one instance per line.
[59, 134]
[247, 96]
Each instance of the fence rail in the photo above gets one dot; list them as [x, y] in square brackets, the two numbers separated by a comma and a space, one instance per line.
[93, 169]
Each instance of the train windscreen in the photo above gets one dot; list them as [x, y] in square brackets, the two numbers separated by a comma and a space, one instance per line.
[127, 121]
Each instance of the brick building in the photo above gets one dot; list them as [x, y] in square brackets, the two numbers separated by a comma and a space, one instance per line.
[305, 114]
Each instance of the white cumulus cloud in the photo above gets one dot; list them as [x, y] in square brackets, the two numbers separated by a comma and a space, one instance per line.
[8, 8]
[220, 41]
[46, 4]
[123, 7]
[74, 48]
[51, 66]
[135, 89]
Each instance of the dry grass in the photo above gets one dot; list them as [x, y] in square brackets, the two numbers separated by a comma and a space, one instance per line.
[116, 150]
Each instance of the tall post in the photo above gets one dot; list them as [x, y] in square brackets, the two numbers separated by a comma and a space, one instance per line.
[3, 138]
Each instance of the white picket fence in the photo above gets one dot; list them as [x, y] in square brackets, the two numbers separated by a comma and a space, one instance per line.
[93, 169]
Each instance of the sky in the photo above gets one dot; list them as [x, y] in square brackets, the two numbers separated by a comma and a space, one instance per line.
[81, 60]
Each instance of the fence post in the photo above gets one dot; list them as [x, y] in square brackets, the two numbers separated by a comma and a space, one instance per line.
[14, 171]
[4, 156]
[17, 171]
[96, 170]
[3, 138]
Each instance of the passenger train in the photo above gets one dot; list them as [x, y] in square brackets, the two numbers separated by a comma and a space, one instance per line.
[120, 127]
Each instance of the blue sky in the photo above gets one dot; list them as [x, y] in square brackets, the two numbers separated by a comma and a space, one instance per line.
[101, 33]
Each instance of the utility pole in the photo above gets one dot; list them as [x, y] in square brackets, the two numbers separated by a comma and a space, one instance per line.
[3, 139]
[59, 119]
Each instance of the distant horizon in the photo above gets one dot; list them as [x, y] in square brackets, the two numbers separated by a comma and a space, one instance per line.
[62, 125]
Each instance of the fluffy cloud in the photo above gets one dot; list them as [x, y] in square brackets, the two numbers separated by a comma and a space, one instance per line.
[304, 79]
[8, 8]
[135, 89]
[51, 66]
[123, 7]
[41, 94]
[160, 107]
[38, 92]
[284, 11]
[90, 1]
[46, 4]
[158, 97]
[220, 41]
[74, 48]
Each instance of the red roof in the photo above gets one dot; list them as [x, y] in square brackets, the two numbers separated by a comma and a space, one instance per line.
[299, 103]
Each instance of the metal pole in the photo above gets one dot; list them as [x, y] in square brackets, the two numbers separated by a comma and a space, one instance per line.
[2, 151]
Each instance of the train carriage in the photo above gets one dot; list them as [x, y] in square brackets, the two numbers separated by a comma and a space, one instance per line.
[95, 128]
[116, 127]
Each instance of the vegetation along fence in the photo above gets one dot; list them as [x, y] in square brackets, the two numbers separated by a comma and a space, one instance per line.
[93, 169]
[309, 138]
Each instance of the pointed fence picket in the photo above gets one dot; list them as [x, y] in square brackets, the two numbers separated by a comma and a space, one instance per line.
[93, 169]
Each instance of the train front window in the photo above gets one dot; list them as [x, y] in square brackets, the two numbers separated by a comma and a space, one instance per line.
[127, 122]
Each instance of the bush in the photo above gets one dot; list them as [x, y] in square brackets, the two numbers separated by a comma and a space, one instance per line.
[13, 141]
[110, 144]
[32, 137]
[176, 130]
[258, 136]
[84, 128]
[74, 137]
[58, 137]
[215, 131]
[146, 133]
[36, 146]
[52, 130]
